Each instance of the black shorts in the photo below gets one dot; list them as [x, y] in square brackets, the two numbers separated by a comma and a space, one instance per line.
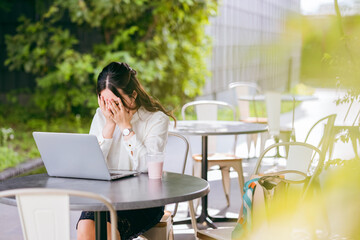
[132, 223]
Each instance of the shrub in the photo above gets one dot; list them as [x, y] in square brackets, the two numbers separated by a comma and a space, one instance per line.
[167, 50]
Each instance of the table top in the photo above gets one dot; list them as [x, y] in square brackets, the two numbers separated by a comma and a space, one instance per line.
[128, 193]
[205, 128]
[284, 97]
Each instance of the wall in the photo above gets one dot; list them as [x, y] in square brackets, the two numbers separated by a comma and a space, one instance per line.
[254, 41]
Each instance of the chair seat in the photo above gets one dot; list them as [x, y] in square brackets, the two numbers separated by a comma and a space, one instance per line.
[165, 220]
[217, 157]
[225, 162]
[255, 120]
[215, 234]
[162, 230]
[285, 129]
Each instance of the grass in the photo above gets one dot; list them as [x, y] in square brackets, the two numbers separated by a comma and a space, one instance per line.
[39, 170]
[23, 147]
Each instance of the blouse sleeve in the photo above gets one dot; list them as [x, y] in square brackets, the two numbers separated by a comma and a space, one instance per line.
[96, 128]
[155, 136]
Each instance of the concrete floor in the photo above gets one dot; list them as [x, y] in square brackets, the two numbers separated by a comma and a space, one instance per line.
[306, 114]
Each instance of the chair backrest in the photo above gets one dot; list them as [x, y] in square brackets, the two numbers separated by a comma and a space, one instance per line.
[176, 153]
[356, 121]
[273, 108]
[245, 89]
[323, 131]
[44, 213]
[208, 110]
[348, 114]
[302, 157]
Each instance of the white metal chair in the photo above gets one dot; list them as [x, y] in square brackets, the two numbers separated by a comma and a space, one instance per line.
[176, 152]
[273, 109]
[208, 110]
[300, 158]
[248, 89]
[349, 125]
[322, 134]
[44, 213]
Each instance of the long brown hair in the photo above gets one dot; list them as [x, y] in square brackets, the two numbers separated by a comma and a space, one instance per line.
[120, 75]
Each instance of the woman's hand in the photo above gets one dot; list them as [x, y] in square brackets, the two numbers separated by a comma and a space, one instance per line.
[105, 110]
[121, 115]
[109, 127]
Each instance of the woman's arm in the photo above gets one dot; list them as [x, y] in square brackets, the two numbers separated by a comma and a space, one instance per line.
[98, 126]
[154, 140]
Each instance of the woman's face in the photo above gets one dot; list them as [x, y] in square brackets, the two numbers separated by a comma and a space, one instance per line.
[110, 96]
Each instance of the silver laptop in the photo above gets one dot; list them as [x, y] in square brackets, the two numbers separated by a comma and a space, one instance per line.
[75, 156]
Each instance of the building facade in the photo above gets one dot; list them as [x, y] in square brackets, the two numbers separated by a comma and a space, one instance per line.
[254, 41]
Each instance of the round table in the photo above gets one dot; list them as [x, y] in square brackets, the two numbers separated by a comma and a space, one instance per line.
[284, 97]
[205, 129]
[128, 193]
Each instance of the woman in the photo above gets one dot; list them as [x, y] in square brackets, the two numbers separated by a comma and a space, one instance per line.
[128, 124]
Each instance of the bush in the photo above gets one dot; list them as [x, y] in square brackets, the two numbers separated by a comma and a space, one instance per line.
[167, 50]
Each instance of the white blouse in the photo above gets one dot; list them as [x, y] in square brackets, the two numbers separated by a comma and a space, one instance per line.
[151, 131]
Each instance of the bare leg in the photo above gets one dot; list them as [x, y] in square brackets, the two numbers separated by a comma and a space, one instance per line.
[86, 230]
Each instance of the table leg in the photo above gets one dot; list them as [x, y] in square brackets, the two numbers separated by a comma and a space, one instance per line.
[100, 225]
[204, 218]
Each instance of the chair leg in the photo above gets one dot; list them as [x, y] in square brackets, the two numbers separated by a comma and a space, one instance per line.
[239, 169]
[193, 218]
[225, 174]
[263, 137]
[171, 234]
[249, 140]
[285, 137]
[254, 139]
[353, 139]
[197, 173]
[331, 148]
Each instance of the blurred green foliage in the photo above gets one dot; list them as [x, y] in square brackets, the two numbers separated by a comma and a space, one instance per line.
[332, 212]
[330, 57]
[330, 50]
[167, 50]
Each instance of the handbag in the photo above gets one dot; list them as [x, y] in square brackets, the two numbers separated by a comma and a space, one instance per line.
[262, 195]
